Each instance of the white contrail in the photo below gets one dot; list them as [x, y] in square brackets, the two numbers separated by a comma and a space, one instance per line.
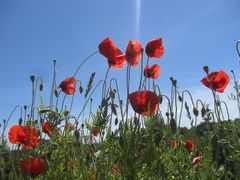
[138, 13]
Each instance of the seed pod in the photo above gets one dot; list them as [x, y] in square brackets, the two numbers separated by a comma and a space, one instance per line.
[195, 111]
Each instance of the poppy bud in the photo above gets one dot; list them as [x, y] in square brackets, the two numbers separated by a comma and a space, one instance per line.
[167, 114]
[41, 87]
[205, 68]
[218, 103]
[180, 98]
[81, 89]
[56, 92]
[195, 111]
[20, 121]
[203, 111]
[160, 99]
[116, 121]
[25, 107]
[82, 125]
[32, 78]
[173, 126]
[171, 78]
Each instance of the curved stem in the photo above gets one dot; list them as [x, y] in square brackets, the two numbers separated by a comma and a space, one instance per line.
[238, 47]
[225, 104]
[5, 124]
[119, 99]
[84, 62]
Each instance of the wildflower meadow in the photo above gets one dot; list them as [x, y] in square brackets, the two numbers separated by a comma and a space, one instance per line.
[137, 137]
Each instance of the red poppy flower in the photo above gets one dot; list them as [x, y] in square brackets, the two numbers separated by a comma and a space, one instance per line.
[68, 85]
[133, 52]
[218, 81]
[46, 128]
[154, 48]
[144, 102]
[189, 145]
[173, 144]
[116, 58]
[37, 166]
[196, 160]
[107, 48]
[26, 136]
[95, 132]
[152, 71]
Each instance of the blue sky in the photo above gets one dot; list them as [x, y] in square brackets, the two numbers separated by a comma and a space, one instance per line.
[33, 33]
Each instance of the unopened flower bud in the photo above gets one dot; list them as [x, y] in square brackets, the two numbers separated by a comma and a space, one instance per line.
[195, 111]
[41, 87]
[180, 98]
[205, 68]
[203, 111]
[56, 92]
[20, 121]
[32, 78]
